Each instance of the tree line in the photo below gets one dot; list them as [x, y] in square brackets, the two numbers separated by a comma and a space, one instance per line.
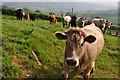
[38, 14]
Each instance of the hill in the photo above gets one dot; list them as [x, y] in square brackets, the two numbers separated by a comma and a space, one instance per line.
[21, 37]
[57, 7]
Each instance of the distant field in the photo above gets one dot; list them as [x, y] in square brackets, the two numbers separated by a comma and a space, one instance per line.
[19, 38]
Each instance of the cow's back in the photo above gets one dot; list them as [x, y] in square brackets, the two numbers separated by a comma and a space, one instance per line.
[96, 47]
[67, 18]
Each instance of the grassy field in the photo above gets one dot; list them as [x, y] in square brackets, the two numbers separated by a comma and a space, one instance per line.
[19, 38]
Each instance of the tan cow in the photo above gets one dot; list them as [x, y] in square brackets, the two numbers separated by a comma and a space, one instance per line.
[83, 45]
[52, 18]
[26, 15]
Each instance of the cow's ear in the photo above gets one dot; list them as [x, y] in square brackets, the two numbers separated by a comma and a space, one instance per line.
[60, 35]
[90, 39]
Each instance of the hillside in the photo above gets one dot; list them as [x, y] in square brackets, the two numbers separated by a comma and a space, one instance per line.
[19, 38]
[57, 7]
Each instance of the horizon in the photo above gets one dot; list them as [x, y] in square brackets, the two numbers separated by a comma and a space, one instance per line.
[37, 6]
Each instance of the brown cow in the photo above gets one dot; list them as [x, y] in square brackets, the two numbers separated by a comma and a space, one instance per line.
[83, 45]
[52, 18]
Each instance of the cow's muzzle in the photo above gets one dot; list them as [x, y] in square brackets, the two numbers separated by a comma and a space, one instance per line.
[71, 62]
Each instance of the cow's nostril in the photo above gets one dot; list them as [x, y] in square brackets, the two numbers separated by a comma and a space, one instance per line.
[68, 62]
[71, 62]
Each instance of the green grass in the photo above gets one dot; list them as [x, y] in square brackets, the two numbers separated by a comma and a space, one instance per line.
[19, 38]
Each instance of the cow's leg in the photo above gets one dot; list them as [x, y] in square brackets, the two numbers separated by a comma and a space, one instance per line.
[69, 24]
[66, 24]
[20, 18]
[65, 71]
[87, 71]
[55, 21]
[93, 68]
[63, 25]
[65, 75]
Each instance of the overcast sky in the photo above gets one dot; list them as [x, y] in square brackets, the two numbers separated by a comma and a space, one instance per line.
[60, 0]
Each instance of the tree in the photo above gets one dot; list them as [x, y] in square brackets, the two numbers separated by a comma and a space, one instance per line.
[25, 9]
[38, 11]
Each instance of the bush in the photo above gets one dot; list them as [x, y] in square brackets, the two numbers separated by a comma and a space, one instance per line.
[8, 11]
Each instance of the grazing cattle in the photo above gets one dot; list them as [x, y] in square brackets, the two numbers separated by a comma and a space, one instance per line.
[32, 17]
[80, 21]
[19, 14]
[52, 18]
[107, 26]
[87, 22]
[103, 24]
[73, 21]
[26, 15]
[83, 45]
[66, 20]
[99, 23]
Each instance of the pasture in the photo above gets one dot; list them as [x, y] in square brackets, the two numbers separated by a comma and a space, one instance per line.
[19, 38]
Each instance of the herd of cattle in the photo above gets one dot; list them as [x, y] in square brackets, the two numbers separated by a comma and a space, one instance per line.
[74, 21]
[20, 15]
[67, 20]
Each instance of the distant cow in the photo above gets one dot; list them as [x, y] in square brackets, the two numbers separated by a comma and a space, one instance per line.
[99, 23]
[80, 21]
[26, 15]
[19, 14]
[86, 22]
[83, 45]
[107, 26]
[32, 17]
[103, 24]
[66, 20]
[52, 18]
[73, 21]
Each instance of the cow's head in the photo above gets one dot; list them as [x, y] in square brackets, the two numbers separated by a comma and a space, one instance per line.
[81, 21]
[75, 39]
[103, 22]
[108, 24]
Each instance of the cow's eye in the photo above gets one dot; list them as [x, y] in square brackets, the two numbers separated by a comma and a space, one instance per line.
[82, 44]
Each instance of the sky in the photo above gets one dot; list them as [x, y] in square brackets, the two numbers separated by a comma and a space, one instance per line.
[60, 0]
[113, 4]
